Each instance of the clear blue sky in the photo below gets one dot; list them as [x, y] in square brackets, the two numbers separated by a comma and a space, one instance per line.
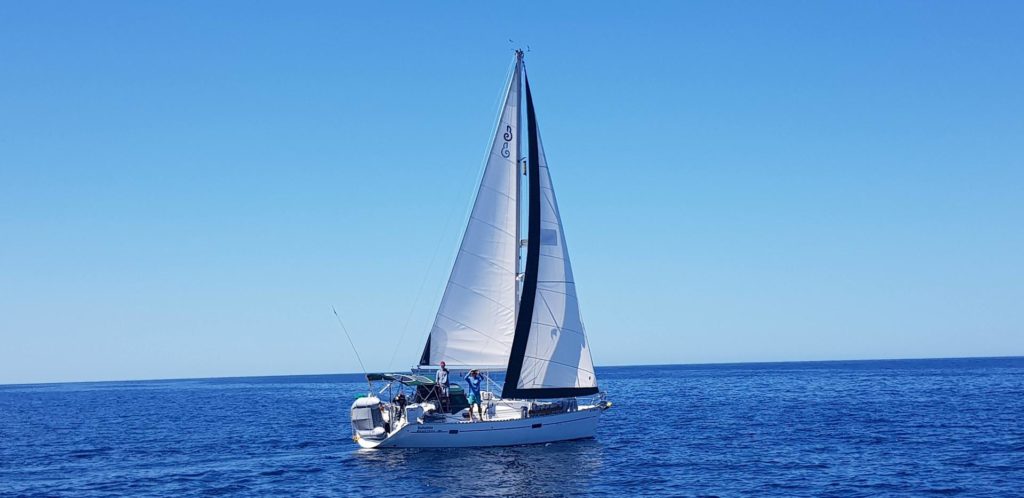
[186, 188]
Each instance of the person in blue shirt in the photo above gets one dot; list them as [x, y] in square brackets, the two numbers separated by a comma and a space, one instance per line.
[473, 379]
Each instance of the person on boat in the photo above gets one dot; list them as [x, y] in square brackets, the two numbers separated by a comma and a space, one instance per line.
[401, 402]
[441, 379]
[473, 379]
[383, 410]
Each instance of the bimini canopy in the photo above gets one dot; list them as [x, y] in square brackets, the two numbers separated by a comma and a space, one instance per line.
[404, 379]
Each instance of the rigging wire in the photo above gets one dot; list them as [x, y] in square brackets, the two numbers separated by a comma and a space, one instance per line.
[423, 283]
[356, 351]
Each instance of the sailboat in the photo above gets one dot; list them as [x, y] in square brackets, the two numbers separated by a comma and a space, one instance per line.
[515, 319]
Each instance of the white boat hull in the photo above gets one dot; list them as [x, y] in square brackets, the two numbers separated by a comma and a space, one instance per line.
[580, 424]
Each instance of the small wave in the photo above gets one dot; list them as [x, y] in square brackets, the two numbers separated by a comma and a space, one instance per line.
[187, 476]
[280, 472]
[89, 453]
[944, 491]
[224, 490]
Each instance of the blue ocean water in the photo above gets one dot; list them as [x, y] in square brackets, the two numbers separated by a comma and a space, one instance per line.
[865, 428]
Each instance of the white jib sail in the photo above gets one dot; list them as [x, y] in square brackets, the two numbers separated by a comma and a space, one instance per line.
[557, 351]
[475, 322]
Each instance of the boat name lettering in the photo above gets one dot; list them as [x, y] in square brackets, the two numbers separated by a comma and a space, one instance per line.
[427, 430]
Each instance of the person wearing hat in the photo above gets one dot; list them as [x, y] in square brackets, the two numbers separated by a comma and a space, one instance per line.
[473, 379]
[441, 380]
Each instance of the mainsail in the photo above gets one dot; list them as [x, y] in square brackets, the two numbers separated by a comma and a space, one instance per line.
[550, 356]
[475, 322]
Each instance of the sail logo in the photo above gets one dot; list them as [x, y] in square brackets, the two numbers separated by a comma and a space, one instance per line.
[508, 138]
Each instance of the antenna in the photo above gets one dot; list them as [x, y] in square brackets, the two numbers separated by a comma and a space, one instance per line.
[520, 48]
[353, 346]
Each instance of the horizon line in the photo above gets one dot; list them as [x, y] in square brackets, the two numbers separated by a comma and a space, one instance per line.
[726, 363]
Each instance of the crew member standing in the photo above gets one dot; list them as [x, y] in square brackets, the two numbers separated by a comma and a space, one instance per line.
[441, 379]
[473, 379]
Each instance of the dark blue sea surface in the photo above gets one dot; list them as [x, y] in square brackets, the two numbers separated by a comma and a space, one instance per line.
[865, 428]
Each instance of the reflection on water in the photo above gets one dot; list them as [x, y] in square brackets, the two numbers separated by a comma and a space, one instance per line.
[537, 470]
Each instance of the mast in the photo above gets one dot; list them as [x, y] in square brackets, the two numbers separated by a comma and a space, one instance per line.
[519, 174]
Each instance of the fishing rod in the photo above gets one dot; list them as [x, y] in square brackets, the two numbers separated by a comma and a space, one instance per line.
[356, 351]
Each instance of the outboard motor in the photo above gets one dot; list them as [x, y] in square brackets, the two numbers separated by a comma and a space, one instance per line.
[367, 421]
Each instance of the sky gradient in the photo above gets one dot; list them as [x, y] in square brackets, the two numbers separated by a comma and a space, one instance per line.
[187, 188]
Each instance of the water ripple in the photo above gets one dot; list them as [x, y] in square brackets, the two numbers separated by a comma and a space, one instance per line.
[900, 428]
